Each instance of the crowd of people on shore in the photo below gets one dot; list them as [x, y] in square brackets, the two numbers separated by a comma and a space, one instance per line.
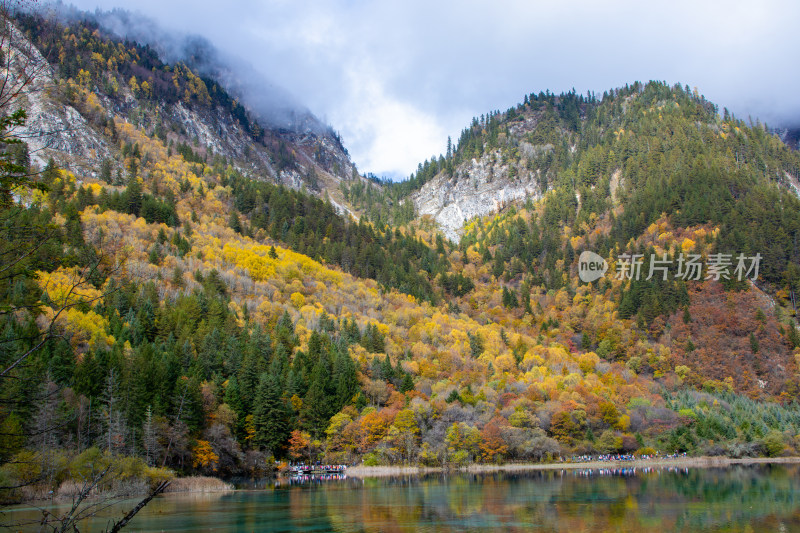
[305, 473]
[318, 468]
[621, 457]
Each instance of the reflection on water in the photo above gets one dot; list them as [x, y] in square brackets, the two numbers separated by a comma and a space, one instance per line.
[743, 498]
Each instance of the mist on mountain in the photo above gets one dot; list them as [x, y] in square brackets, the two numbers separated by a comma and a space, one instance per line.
[271, 104]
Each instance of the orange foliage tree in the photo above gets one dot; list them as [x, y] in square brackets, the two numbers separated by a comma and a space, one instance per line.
[299, 443]
[493, 446]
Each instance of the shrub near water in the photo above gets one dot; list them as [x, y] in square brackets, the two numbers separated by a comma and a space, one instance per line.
[40, 475]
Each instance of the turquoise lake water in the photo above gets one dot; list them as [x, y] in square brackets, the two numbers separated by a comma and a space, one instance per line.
[740, 498]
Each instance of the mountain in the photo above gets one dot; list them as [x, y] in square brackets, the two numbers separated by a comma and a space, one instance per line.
[184, 104]
[651, 169]
[503, 158]
[790, 136]
[187, 288]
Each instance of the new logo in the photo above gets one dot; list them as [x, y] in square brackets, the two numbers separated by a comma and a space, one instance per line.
[591, 267]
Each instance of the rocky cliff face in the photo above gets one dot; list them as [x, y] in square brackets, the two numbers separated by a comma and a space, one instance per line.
[320, 161]
[52, 128]
[477, 188]
[509, 170]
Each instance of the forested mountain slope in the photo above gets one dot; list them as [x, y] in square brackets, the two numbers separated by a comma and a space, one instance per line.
[97, 75]
[164, 304]
[647, 169]
[604, 150]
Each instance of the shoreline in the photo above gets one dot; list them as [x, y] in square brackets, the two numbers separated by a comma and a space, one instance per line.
[178, 485]
[687, 462]
[208, 484]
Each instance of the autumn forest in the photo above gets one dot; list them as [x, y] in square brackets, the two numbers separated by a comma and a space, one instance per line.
[186, 310]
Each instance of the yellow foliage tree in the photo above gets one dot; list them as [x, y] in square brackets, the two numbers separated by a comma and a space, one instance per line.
[203, 455]
[297, 299]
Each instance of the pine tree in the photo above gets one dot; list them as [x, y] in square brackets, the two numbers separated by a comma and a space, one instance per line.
[407, 384]
[318, 404]
[475, 344]
[233, 398]
[345, 379]
[297, 379]
[509, 298]
[271, 415]
[115, 427]
[387, 370]
[260, 345]
[753, 343]
[793, 337]
[150, 438]
[249, 375]
[234, 223]
[133, 197]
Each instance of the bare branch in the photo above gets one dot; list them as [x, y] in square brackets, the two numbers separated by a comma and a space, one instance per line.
[127, 518]
[48, 332]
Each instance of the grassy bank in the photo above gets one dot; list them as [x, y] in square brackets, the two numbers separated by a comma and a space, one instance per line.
[199, 484]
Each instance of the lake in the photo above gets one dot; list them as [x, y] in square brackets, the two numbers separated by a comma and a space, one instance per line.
[738, 498]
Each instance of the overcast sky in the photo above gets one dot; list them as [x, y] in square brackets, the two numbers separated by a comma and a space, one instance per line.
[396, 77]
